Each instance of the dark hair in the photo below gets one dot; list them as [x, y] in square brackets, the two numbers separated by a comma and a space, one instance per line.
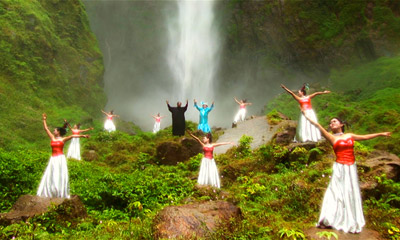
[303, 88]
[112, 111]
[342, 122]
[209, 136]
[244, 100]
[62, 130]
[78, 125]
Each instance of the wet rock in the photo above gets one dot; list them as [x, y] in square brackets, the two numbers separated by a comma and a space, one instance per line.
[286, 132]
[198, 219]
[28, 206]
[170, 153]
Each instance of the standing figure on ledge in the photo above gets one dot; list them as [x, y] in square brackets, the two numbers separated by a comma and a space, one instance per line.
[305, 130]
[74, 150]
[241, 115]
[342, 207]
[178, 118]
[208, 174]
[109, 125]
[157, 123]
[55, 182]
[203, 121]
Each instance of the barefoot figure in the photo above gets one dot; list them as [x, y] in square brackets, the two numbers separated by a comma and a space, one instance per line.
[74, 149]
[178, 118]
[208, 174]
[109, 125]
[305, 130]
[203, 121]
[241, 115]
[342, 207]
[157, 123]
[55, 182]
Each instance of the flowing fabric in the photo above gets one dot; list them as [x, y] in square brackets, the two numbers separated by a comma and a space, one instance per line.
[208, 173]
[307, 131]
[109, 126]
[156, 127]
[342, 206]
[241, 115]
[203, 121]
[74, 150]
[178, 120]
[55, 182]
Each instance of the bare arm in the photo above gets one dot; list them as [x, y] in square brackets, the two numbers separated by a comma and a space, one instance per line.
[370, 136]
[104, 112]
[196, 138]
[85, 130]
[44, 116]
[69, 126]
[236, 100]
[66, 139]
[222, 143]
[290, 92]
[326, 134]
[318, 93]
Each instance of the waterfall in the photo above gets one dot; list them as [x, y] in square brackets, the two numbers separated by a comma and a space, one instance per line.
[193, 46]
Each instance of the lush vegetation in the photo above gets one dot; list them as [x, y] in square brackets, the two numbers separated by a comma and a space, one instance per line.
[50, 63]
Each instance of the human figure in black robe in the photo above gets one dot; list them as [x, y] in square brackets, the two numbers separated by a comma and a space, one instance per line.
[178, 118]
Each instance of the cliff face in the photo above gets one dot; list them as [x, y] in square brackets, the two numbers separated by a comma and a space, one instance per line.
[49, 63]
[314, 35]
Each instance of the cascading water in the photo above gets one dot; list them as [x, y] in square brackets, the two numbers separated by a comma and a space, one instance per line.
[193, 49]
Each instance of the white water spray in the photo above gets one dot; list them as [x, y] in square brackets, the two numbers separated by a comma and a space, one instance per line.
[193, 49]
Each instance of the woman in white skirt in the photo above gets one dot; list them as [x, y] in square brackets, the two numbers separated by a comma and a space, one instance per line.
[342, 206]
[157, 123]
[108, 124]
[74, 150]
[55, 182]
[241, 115]
[305, 130]
[208, 169]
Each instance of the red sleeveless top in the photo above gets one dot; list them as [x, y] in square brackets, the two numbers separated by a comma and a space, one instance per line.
[109, 117]
[242, 106]
[208, 152]
[305, 103]
[344, 150]
[57, 148]
[75, 132]
[158, 119]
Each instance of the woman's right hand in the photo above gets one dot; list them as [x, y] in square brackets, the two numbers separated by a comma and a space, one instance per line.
[44, 116]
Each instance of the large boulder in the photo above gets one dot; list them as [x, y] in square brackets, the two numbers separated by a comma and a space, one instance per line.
[28, 206]
[378, 163]
[194, 220]
[286, 132]
[170, 153]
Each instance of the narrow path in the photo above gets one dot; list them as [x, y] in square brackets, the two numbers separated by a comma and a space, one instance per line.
[257, 127]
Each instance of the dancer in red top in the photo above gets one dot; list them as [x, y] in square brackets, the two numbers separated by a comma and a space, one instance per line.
[55, 182]
[157, 123]
[208, 169]
[74, 150]
[241, 115]
[109, 125]
[305, 130]
[342, 207]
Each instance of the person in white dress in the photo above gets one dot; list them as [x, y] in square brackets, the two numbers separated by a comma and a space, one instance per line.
[74, 149]
[241, 114]
[342, 206]
[157, 123]
[109, 124]
[305, 131]
[54, 182]
[208, 174]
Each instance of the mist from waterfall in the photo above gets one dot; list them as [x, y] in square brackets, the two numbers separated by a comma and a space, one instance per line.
[193, 47]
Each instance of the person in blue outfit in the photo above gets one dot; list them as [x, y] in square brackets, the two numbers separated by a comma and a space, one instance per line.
[204, 110]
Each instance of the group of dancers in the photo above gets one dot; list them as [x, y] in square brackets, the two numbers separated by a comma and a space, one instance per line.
[341, 208]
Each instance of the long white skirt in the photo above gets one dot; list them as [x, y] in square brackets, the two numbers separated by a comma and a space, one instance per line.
[156, 127]
[342, 207]
[55, 182]
[241, 115]
[109, 126]
[208, 173]
[74, 150]
[307, 131]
